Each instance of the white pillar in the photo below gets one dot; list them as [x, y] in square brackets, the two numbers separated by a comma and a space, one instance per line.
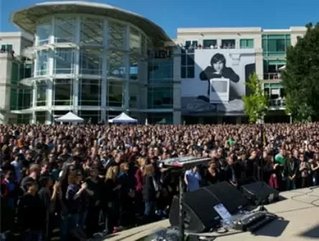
[75, 81]
[126, 86]
[49, 93]
[104, 79]
[177, 113]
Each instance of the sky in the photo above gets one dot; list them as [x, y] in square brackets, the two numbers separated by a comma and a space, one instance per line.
[173, 14]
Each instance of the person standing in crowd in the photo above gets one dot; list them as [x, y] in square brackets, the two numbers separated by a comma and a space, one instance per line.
[33, 175]
[110, 198]
[270, 171]
[94, 191]
[296, 160]
[304, 169]
[139, 183]
[280, 159]
[232, 170]
[291, 171]
[126, 197]
[250, 166]
[31, 213]
[212, 175]
[9, 196]
[48, 199]
[150, 192]
[192, 179]
[315, 169]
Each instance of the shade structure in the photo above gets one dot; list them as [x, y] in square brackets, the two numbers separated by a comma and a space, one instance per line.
[69, 118]
[123, 119]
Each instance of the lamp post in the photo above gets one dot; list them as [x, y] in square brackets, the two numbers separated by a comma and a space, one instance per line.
[261, 162]
[290, 118]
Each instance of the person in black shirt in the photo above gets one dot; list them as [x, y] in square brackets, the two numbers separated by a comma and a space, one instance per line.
[31, 213]
[212, 175]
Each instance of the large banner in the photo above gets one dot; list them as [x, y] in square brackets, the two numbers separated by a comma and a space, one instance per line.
[219, 82]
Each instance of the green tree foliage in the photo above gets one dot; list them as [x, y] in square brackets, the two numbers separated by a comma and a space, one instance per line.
[301, 76]
[255, 103]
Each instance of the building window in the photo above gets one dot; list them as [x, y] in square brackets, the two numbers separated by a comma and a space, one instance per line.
[116, 64]
[6, 48]
[41, 93]
[90, 92]
[160, 97]
[135, 40]
[247, 43]
[42, 63]
[275, 44]
[91, 31]
[188, 64]
[64, 61]
[40, 116]
[90, 61]
[133, 72]
[64, 29]
[117, 35]
[134, 95]
[24, 98]
[115, 93]
[209, 43]
[93, 117]
[160, 70]
[228, 43]
[191, 44]
[63, 94]
[43, 32]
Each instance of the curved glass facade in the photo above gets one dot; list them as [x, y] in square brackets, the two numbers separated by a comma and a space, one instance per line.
[88, 63]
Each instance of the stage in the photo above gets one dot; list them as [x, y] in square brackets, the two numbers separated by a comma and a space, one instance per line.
[298, 214]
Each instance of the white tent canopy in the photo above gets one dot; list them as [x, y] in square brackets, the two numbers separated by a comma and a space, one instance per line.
[69, 118]
[122, 118]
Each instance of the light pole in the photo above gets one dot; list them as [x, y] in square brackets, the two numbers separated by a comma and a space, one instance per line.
[290, 118]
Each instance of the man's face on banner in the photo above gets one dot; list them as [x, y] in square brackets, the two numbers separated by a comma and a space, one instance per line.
[218, 66]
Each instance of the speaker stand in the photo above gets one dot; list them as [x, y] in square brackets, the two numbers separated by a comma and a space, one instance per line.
[181, 208]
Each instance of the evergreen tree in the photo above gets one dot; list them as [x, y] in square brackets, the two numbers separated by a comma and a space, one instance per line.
[301, 76]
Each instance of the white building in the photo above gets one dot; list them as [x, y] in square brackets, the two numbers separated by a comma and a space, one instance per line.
[12, 45]
[245, 50]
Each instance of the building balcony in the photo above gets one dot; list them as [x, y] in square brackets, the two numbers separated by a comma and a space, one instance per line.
[272, 76]
[277, 104]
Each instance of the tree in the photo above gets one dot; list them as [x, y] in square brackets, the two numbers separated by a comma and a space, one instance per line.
[255, 103]
[301, 76]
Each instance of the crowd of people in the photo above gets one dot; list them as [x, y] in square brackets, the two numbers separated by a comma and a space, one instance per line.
[93, 179]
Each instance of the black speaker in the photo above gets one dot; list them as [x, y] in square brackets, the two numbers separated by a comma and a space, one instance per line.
[260, 193]
[229, 196]
[199, 211]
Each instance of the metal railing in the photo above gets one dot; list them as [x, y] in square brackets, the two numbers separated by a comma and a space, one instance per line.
[272, 76]
[277, 103]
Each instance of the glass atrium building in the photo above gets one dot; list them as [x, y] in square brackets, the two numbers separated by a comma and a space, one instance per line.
[97, 61]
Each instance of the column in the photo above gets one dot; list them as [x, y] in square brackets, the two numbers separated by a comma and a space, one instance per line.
[177, 111]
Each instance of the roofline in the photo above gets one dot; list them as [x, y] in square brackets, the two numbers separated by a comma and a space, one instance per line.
[21, 34]
[238, 30]
[219, 30]
[26, 18]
